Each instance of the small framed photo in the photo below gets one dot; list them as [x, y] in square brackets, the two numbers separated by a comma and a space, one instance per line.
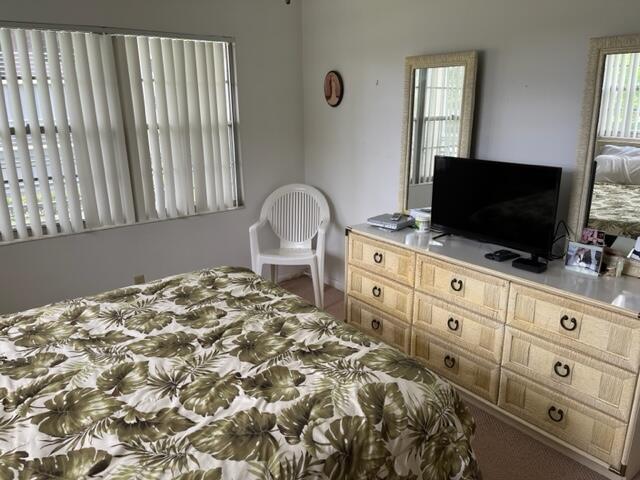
[634, 254]
[591, 236]
[584, 258]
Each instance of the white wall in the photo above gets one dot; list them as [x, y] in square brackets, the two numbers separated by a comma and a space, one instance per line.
[533, 58]
[268, 36]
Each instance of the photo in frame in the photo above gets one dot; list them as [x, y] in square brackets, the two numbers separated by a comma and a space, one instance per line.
[591, 236]
[584, 258]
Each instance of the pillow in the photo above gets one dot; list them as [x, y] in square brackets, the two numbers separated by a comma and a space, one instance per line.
[620, 169]
[621, 151]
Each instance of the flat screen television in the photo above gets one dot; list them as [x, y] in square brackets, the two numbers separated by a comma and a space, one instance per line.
[510, 204]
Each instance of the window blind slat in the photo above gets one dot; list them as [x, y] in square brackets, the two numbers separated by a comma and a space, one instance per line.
[223, 122]
[163, 125]
[632, 84]
[31, 118]
[62, 206]
[213, 106]
[104, 134]
[183, 123]
[117, 127]
[6, 231]
[62, 122]
[76, 122]
[149, 109]
[26, 169]
[131, 81]
[10, 165]
[205, 123]
[195, 126]
[91, 128]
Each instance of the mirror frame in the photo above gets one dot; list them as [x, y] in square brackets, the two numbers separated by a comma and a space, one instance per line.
[469, 60]
[599, 48]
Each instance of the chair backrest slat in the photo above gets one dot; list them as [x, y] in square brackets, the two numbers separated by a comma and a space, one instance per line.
[295, 212]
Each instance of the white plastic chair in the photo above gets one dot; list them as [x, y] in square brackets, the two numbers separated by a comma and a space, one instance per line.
[296, 213]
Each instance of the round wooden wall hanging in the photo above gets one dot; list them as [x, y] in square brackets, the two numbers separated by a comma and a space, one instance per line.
[333, 88]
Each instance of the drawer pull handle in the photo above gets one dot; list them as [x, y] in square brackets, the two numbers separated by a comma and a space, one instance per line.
[456, 285]
[377, 257]
[377, 291]
[449, 361]
[562, 369]
[453, 324]
[556, 414]
[573, 323]
[375, 324]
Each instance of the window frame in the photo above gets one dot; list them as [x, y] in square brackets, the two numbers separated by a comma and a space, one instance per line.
[237, 172]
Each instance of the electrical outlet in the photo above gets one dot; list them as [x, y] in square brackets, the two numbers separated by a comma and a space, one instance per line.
[138, 279]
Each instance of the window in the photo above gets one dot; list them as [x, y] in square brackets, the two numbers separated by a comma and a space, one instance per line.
[104, 129]
[620, 104]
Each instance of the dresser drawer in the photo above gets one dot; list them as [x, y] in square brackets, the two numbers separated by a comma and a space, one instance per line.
[587, 429]
[457, 325]
[385, 295]
[463, 368]
[395, 263]
[378, 324]
[596, 332]
[589, 381]
[480, 293]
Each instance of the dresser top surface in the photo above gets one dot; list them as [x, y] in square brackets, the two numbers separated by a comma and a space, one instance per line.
[621, 292]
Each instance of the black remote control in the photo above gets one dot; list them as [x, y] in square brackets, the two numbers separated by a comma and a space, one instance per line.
[502, 255]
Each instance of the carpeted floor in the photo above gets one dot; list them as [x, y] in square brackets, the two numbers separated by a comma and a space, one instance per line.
[503, 452]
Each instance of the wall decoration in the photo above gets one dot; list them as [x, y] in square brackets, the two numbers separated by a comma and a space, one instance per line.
[333, 88]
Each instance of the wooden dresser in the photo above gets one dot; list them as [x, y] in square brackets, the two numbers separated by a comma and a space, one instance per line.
[556, 354]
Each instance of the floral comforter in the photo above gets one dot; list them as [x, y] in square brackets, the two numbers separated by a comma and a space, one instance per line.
[217, 374]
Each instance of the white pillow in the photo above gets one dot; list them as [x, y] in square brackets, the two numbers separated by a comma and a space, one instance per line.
[621, 151]
[618, 169]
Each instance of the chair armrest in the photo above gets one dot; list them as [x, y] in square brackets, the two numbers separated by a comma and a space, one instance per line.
[253, 236]
[322, 233]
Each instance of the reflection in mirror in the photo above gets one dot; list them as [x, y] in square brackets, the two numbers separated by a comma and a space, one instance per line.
[437, 109]
[439, 100]
[615, 197]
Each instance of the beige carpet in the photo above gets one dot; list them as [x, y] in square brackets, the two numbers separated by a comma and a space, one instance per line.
[503, 452]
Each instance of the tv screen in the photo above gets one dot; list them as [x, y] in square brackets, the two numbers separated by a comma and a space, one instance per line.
[510, 204]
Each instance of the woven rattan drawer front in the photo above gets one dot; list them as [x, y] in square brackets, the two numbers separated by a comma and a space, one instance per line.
[392, 262]
[390, 297]
[587, 429]
[587, 380]
[376, 323]
[461, 367]
[462, 327]
[596, 332]
[483, 294]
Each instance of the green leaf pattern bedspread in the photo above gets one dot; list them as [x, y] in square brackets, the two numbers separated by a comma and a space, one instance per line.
[217, 374]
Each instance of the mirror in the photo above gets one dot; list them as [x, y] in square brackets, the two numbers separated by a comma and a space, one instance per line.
[607, 188]
[438, 119]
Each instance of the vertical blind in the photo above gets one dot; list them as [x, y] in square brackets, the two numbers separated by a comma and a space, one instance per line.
[620, 103]
[99, 130]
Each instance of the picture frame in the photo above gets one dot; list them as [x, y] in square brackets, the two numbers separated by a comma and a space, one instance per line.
[333, 88]
[584, 258]
[592, 236]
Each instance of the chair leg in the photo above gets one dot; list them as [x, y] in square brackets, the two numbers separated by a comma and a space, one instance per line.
[274, 273]
[316, 283]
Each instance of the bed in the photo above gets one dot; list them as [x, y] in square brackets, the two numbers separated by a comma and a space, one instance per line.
[615, 199]
[615, 209]
[217, 374]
